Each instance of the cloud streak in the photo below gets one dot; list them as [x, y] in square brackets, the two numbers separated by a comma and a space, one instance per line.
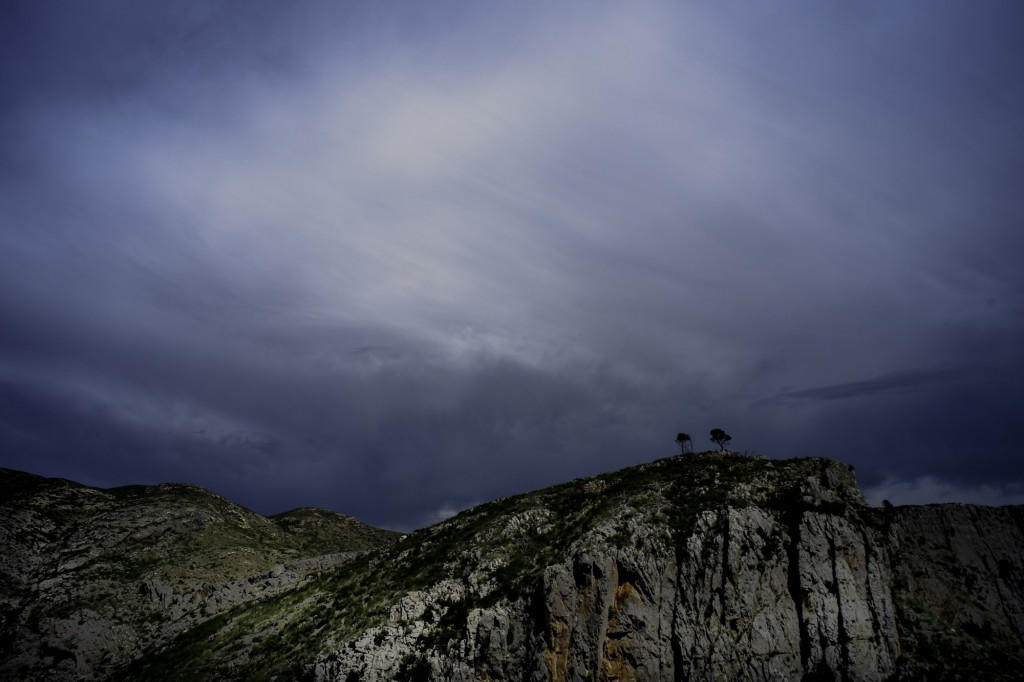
[901, 381]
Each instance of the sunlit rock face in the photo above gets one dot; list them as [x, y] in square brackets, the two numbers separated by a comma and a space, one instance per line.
[700, 567]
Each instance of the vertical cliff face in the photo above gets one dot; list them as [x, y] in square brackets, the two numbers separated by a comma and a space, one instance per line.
[807, 596]
[780, 582]
[958, 582]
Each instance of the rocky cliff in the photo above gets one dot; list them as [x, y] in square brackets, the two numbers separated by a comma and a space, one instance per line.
[701, 567]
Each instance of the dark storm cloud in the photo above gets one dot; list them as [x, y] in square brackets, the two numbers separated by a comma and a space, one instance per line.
[902, 381]
[396, 260]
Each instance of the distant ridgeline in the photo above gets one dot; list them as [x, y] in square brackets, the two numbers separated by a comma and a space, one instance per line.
[709, 566]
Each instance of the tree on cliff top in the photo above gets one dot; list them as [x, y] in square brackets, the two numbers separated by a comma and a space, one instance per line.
[720, 438]
[684, 441]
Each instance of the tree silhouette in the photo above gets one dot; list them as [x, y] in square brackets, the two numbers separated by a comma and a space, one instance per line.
[684, 441]
[720, 438]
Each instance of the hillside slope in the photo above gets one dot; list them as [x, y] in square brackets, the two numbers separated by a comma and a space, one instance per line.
[90, 578]
[703, 567]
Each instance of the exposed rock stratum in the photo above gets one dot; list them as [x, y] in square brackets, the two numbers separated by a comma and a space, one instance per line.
[713, 566]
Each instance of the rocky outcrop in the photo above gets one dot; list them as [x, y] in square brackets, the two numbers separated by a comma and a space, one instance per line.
[803, 585]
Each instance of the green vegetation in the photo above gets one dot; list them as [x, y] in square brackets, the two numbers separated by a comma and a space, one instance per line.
[413, 669]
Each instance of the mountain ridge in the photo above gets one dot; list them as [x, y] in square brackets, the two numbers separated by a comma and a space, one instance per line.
[91, 577]
[706, 566]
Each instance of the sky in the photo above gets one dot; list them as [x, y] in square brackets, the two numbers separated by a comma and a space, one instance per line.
[398, 258]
